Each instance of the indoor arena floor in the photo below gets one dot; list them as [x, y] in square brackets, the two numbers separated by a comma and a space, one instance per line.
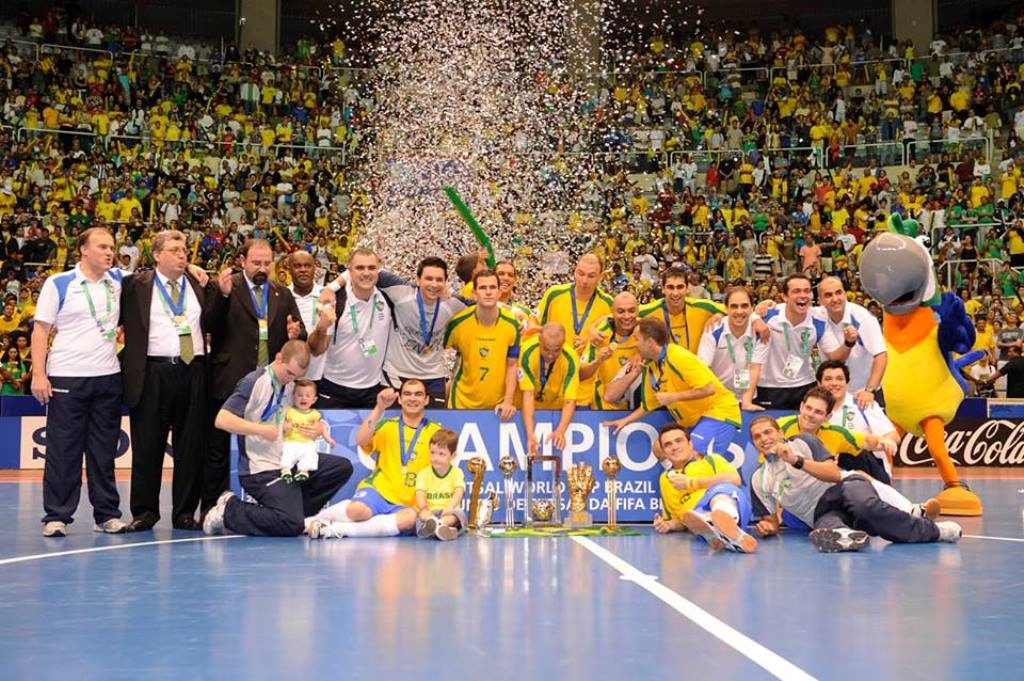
[177, 605]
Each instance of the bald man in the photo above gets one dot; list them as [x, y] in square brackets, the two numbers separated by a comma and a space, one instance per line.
[549, 379]
[614, 361]
[577, 306]
[860, 340]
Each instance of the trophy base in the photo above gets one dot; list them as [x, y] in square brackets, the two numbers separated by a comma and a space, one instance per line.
[580, 519]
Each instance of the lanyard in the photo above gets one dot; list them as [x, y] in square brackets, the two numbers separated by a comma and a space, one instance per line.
[748, 346]
[427, 334]
[404, 453]
[355, 320]
[261, 310]
[544, 376]
[668, 323]
[109, 289]
[655, 384]
[577, 323]
[273, 408]
[805, 340]
[172, 309]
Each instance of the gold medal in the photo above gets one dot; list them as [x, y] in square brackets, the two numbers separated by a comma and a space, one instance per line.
[426, 350]
[179, 319]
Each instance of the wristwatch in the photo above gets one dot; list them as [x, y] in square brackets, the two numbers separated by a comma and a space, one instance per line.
[799, 463]
[849, 344]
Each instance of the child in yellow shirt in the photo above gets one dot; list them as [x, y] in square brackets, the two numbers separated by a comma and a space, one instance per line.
[439, 490]
[303, 426]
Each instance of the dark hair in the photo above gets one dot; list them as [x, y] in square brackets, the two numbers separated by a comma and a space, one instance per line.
[760, 419]
[483, 273]
[832, 364]
[445, 438]
[792, 277]
[253, 243]
[407, 381]
[674, 273]
[432, 261]
[669, 427]
[821, 394]
[654, 329]
[464, 267]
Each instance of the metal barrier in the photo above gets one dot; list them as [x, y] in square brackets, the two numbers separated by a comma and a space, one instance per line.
[947, 268]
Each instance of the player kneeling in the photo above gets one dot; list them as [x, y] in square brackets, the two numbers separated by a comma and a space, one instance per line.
[702, 494]
[439, 490]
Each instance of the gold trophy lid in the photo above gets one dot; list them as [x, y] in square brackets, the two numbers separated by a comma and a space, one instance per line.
[476, 465]
[611, 466]
[507, 465]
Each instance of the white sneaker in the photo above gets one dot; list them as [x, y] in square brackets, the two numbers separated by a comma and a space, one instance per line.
[728, 529]
[696, 523]
[949, 531]
[843, 539]
[55, 528]
[929, 509]
[112, 526]
[214, 522]
[316, 528]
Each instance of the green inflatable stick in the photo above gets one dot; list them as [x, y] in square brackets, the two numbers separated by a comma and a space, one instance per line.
[467, 216]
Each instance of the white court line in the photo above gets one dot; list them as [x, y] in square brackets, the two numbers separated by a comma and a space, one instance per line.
[97, 549]
[771, 662]
[981, 536]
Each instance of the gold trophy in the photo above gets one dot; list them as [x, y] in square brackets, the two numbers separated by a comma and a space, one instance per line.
[611, 467]
[507, 465]
[581, 484]
[543, 513]
[476, 467]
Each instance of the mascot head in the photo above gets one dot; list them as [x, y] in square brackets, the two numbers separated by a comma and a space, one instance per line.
[896, 269]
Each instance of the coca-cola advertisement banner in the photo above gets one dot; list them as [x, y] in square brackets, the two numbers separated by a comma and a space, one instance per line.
[971, 442]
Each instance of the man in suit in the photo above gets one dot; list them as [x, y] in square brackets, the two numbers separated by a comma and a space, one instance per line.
[164, 377]
[249, 322]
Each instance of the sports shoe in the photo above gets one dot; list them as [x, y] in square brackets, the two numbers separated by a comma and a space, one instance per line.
[55, 528]
[287, 478]
[842, 539]
[301, 476]
[696, 523]
[929, 509]
[214, 521]
[111, 526]
[446, 532]
[728, 529]
[427, 528]
[315, 528]
[949, 531]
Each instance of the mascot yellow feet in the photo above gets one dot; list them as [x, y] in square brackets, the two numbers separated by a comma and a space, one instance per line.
[958, 500]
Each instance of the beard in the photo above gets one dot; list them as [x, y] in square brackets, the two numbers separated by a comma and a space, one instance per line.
[260, 278]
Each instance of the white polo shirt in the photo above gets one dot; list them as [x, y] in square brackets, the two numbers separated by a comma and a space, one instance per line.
[307, 309]
[348, 364]
[83, 345]
[792, 346]
[729, 356]
[870, 341]
[163, 332]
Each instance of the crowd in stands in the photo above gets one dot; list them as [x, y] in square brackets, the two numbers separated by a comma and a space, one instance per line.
[739, 157]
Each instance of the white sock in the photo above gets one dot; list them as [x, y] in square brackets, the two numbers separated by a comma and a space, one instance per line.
[377, 526]
[727, 505]
[336, 513]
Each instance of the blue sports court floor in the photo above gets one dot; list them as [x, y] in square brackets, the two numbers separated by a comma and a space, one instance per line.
[176, 605]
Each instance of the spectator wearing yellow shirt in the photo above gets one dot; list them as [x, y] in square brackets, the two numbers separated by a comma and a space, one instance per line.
[984, 336]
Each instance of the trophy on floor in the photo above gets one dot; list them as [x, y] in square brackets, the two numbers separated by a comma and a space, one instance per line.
[581, 484]
[544, 512]
[611, 467]
[477, 467]
[507, 465]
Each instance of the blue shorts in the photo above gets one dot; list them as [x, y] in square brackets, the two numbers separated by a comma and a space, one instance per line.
[741, 496]
[373, 500]
[712, 436]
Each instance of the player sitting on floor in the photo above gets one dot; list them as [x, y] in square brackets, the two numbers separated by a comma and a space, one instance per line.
[843, 507]
[303, 426]
[383, 503]
[702, 493]
[439, 490]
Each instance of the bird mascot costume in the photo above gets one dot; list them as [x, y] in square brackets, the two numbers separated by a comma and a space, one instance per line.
[923, 328]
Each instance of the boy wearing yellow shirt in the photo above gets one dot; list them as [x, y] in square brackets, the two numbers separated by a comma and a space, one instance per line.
[439, 491]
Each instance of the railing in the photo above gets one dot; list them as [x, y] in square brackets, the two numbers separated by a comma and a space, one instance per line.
[948, 268]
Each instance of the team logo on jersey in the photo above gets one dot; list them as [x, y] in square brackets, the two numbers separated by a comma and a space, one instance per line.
[484, 352]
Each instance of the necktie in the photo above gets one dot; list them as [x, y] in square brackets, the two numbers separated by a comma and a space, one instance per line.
[184, 340]
[261, 352]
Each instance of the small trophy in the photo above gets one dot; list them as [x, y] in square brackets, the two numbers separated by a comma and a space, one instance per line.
[611, 467]
[543, 512]
[581, 484]
[476, 467]
[507, 465]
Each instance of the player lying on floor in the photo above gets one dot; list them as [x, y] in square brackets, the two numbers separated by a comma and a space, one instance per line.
[844, 508]
[702, 494]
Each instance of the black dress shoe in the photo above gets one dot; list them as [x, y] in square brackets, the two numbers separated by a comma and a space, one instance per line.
[144, 523]
[187, 522]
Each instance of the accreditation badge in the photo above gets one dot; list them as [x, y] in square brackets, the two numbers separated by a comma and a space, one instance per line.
[742, 379]
[792, 367]
[263, 329]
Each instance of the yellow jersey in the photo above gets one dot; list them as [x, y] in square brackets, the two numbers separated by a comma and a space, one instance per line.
[623, 349]
[440, 489]
[394, 476]
[678, 370]
[837, 440]
[676, 502]
[551, 385]
[559, 305]
[479, 380]
[296, 417]
[688, 326]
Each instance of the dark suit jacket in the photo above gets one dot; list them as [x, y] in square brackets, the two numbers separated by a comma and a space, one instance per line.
[232, 322]
[137, 292]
